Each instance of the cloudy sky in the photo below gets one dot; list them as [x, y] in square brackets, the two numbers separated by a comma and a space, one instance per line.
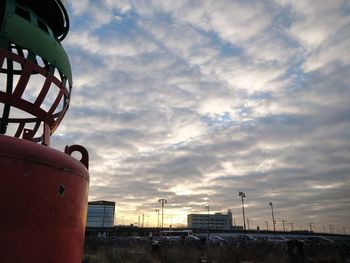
[194, 101]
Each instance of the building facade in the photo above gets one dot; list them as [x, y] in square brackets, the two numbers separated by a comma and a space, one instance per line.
[100, 214]
[214, 221]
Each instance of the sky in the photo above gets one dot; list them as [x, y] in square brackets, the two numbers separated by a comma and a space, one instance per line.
[194, 101]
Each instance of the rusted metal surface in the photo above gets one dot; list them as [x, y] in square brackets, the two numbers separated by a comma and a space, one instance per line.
[44, 195]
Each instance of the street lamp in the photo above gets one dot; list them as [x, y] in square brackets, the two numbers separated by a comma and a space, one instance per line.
[267, 225]
[310, 223]
[273, 218]
[283, 221]
[241, 194]
[291, 224]
[331, 229]
[162, 201]
[157, 211]
[207, 207]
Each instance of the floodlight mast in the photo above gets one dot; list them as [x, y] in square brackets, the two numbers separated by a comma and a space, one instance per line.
[273, 218]
[157, 211]
[47, 189]
[283, 222]
[242, 195]
[162, 201]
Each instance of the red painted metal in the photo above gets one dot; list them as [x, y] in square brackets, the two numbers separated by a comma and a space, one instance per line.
[44, 192]
[43, 202]
[51, 117]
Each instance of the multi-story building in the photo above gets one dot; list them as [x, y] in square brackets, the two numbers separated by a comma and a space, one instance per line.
[100, 214]
[214, 221]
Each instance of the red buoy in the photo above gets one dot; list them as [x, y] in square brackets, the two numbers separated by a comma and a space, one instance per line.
[44, 192]
[44, 195]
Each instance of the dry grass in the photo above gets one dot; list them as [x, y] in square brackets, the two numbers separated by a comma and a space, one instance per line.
[143, 253]
[182, 254]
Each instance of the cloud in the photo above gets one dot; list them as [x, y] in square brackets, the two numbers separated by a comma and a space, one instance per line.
[194, 101]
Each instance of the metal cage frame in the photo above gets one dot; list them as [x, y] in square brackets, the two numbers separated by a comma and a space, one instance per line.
[28, 47]
[13, 98]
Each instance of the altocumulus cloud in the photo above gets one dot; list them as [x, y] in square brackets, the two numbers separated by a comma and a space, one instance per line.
[193, 101]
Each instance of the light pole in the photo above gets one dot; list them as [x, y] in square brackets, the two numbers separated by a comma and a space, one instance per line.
[248, 223]
[267, 225]
[207, 207]
[157, 211]
[291, 224]
[283, 221]
[162, 201]
[310, 223]
[241, 194]
[273, 218]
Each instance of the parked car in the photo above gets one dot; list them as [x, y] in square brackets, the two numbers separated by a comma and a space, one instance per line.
[192, 238]
[216, 240]
[277, 239]
[318, 241]
[245, 237]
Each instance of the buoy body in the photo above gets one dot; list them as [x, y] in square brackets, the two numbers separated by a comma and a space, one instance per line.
[43, 197]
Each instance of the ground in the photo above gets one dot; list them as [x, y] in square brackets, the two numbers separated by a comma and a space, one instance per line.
[143, 250]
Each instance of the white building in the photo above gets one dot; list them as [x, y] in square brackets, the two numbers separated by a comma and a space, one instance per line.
[214, 221]
[100, 214]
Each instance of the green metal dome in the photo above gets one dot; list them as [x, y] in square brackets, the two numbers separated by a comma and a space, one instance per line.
[39, 27]
[32, 58]
[53, 12]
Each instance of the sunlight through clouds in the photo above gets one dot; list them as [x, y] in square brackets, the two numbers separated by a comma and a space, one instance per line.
[202, 99]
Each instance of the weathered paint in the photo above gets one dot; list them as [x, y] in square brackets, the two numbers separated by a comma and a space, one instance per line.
[43, 201]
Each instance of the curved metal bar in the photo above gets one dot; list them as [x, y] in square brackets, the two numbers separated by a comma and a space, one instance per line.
[13, 97]
[78, 148]
[7, 106]
[65, 15]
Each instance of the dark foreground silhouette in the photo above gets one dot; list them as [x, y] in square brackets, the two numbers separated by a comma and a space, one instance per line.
[144, 250]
